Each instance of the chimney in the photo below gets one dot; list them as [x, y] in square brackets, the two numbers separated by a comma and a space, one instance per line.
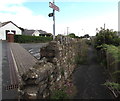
[0, 24]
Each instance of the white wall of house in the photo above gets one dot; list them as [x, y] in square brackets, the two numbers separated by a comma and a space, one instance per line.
[36, 33]
[9, 27]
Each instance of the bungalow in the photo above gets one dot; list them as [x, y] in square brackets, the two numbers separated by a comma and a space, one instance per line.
[36, 33]
[8, 30]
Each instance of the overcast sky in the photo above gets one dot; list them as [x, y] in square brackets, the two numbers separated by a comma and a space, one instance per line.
[81, 16]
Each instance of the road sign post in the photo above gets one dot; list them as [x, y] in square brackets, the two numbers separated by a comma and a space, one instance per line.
[53, 24]
[54, 7]
[50, 14]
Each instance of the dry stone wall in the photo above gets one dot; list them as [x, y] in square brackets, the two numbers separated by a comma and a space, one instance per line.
[56, 65]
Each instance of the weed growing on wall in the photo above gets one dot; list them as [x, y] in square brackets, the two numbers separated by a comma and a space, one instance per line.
[81, 57]
[59, 94]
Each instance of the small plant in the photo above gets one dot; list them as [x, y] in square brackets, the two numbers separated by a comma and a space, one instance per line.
[77, 59]
[62, 72]
[116, 75]
[80, 60]
[113, 85]
[59, 94]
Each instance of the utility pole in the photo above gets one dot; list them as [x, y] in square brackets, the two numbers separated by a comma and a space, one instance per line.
[67, 30]
[104, 26]
[104, 33]
[53, 21]
[54, 7]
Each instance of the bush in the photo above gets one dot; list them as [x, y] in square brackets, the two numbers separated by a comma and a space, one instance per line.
[31, 39]
[108, 37]
[82, 52]
[110, 58]
[80, 60]
[116, 75]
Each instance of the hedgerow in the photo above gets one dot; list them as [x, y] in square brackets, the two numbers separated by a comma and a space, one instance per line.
[31, 39]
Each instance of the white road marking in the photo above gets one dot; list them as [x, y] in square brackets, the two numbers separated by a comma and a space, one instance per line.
[15, 64]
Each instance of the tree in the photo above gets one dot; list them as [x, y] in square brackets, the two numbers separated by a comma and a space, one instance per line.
[72, 35]
[86, 36]
[106, 37]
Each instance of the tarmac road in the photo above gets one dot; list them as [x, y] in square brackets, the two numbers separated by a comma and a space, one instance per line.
[88, 79]
[0, 70]
[34, 48]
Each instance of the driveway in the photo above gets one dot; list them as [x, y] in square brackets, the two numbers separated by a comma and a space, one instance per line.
[89, 79]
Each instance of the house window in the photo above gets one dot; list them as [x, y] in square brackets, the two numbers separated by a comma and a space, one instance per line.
[13, 31]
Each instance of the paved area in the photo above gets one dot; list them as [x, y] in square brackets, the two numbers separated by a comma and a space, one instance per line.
[23, 59]
[7, 92]
[34, 48]
[0, 70]
[15, 61]
[88, 79]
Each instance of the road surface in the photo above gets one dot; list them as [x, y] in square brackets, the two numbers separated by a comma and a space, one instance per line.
[15, 61]
[6, 74]
[34, 48]
[0, 70]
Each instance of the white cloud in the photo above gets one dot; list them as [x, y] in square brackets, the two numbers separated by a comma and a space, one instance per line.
[89, 25]
[5, 3]
[13, 10]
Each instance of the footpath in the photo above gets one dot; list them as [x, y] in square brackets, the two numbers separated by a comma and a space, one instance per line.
[89, 79]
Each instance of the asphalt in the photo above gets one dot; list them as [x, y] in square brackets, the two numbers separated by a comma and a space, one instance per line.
[89, 79]
[23, 59]
[6, 80]
[34, 48]
[7, 69]
[0, 70]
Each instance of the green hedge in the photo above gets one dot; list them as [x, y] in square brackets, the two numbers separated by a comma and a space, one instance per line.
[31, 39]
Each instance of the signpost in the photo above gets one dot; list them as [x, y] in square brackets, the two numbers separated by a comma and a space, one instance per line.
[50, 14]
[54, 7]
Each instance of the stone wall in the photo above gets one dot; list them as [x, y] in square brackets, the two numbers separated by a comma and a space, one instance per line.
[57, 63]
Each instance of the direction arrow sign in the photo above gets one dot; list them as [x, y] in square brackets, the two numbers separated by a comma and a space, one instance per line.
[51, 5]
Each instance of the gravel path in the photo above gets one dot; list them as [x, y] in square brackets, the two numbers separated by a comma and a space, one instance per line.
[88, 79]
